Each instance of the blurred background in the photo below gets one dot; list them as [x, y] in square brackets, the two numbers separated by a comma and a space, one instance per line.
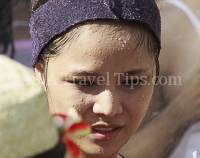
[15, 39]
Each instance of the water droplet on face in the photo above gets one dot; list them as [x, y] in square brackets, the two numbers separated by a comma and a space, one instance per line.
[147, 65]
[156, 113]
[124, 41]
[119, 38]
[122, 45]
[98, 41]
[100, 151]
[138, 60]
[142, 95]
[111, 38]
[72, 105]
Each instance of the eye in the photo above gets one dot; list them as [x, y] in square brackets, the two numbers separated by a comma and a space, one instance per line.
[132, 81]
[82, 83]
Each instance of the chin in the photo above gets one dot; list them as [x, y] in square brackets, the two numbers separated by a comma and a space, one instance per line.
[100, 148]
[99, 153]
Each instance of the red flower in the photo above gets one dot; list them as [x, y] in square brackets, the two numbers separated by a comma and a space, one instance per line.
[71, 125]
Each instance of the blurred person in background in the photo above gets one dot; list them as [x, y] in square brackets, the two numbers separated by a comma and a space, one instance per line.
[6, 29]
[172, 118]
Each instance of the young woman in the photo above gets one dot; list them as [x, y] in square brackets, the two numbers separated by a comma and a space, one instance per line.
[100, 57]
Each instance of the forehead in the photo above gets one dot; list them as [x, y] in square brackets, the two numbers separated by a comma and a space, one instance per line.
[111, 28]
[104, 45]
[94, 32]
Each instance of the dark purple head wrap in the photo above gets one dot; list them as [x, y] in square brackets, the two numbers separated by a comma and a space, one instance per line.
[56, 16]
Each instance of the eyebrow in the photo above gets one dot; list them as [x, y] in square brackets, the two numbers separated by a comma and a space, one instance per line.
[85, 73]
[133, 72]
[91, 73]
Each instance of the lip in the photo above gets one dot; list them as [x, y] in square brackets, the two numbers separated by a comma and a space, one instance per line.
[109, 135]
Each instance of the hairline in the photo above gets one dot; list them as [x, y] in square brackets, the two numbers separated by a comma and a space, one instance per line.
[142, 33]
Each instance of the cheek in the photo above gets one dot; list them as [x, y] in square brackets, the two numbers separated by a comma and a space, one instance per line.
[58, 99]
[61, 96]
[138, 105]
[82, 102]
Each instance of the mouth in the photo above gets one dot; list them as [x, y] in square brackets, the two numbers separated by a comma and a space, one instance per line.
[105, 132]
[103, 129]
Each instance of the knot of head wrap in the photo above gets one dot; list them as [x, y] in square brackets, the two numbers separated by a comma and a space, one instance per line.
[56, 16]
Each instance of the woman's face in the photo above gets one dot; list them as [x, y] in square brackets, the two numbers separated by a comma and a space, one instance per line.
[95, 75]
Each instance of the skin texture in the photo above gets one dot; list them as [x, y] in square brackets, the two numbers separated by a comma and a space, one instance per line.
[178, 106]
[104, 103]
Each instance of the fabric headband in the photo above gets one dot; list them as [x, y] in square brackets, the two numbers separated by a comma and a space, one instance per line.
[56, 16]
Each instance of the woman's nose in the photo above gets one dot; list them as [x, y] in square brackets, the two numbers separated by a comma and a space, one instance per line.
[108, 103]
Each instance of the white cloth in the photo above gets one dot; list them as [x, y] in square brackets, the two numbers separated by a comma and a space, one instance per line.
[189, 146]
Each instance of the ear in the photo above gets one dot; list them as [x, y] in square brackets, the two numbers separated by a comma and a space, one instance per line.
[39, 75]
